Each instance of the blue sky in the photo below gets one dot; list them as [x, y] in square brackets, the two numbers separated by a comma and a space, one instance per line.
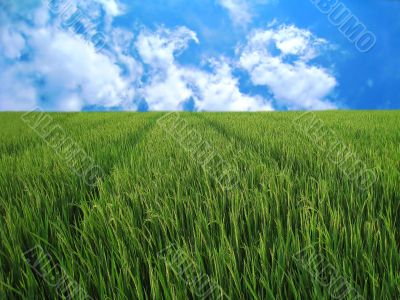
[202, 55]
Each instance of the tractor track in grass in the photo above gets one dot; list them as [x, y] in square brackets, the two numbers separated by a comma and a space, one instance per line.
[235, 145]
[139, 135]
[88, 194]
[274, 157]
[93, 193]
[36, 142]
[16, 149]
[239, 141]
[67, 183]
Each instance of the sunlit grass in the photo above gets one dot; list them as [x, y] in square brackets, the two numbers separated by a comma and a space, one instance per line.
[153, 195]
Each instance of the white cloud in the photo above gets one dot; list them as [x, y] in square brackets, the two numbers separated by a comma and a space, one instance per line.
[239, 11]
[112, 7]
[288, 74]
[159, 48]
[72, 65]
[291, 40]
[167, 91]
[11, 43]
[167, 87]
[72, 73]
[171, 85]
[219, 91]
[16, 90]
[122, 42]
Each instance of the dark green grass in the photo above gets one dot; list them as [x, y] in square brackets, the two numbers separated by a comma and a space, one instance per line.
[153, 194]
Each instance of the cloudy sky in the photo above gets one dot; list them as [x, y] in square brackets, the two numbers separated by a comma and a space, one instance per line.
[199, 55]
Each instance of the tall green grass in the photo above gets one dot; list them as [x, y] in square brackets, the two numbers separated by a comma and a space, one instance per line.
[289, 197]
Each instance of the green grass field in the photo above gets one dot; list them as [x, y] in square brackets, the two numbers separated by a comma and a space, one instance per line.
[292, 226]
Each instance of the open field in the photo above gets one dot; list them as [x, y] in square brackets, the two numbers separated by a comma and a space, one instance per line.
[159, 219]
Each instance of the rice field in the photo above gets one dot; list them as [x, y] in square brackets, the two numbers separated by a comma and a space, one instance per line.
[212, 206]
